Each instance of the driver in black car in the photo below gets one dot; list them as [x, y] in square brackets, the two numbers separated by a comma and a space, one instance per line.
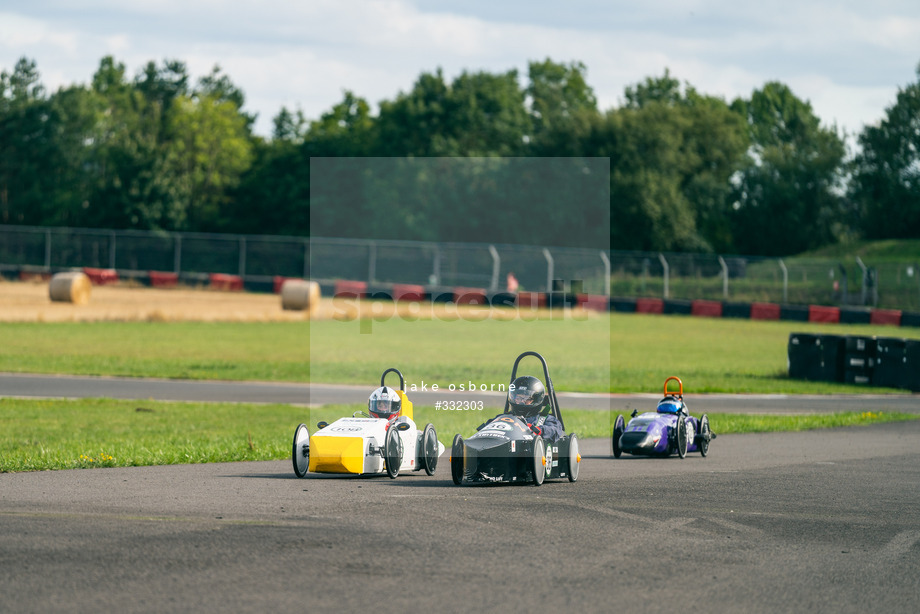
[527, 398]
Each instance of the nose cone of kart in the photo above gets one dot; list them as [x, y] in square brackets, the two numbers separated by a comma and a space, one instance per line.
[641, 441]
[336, 454]
[483, 444]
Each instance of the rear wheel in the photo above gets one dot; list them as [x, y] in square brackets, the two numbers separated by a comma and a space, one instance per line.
[539, 460]
[392, 452]
[705, 435]
[681, 437]
[429, 449]
[619, 427]
[574, 457]
[300, 454]
[456, 459]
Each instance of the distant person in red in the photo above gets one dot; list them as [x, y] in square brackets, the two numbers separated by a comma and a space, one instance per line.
[512, 282]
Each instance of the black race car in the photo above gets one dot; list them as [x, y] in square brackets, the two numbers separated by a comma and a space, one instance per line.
[506, 448]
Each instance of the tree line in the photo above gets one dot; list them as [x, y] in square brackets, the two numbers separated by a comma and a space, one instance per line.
[687, 171]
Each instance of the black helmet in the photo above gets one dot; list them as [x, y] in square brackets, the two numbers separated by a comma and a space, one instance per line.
[384, 403]
[526, 394]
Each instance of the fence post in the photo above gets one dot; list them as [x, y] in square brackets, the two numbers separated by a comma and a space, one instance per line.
[48, 250]
[112, 252]
[846, 284]
[306, 260]
[242, 266]
[177, 254]
[724, 277]
[606, 260]
[782, 265]
[371, 262]
[496, 268]
[549, 269]
[667, 274]
[435, 279]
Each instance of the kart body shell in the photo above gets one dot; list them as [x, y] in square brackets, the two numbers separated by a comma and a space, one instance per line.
[668, 430]
[362, 445]
[355, 445]
[506, 450]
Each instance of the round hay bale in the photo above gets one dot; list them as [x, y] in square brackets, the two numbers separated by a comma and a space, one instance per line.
[299, 295]
[73, 287]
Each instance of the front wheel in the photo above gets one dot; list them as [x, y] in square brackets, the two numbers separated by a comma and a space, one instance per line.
[681, 438]
[300, 454]
[705, 435]
[574, 457]
[392, 457]
[539, 461]
[456, 459]
[619, 427]
[429, 449]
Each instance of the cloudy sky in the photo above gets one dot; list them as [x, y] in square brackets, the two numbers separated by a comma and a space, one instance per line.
[848, 58]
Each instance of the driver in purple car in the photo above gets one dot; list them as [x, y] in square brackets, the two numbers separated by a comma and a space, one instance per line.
[527, 397]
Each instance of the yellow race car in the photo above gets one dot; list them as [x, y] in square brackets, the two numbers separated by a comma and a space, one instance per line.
[384, 439]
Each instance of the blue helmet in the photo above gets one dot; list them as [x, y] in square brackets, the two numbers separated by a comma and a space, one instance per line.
[670, 405]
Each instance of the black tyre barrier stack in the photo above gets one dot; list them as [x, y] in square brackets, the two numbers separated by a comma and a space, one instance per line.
[859, 359]
[502, 299]
[912, 365]
[909, 318]
[678, 306]
[815, 357]
[797, 313]
[855, 315]
[623, 305]
[736, 310]
[889, 362]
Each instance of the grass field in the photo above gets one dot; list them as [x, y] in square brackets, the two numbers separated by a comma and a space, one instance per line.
[616, 353]
[69, 434]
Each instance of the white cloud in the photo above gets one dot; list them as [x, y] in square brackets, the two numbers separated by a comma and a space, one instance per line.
[847, 58]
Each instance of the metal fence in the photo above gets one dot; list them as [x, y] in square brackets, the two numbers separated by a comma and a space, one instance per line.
[258, 259]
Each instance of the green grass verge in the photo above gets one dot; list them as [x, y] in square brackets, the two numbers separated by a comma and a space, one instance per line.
[72, 434]
[615, 353]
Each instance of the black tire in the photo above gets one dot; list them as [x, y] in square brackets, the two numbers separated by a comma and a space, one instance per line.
[392, 453]
[539, 460]
[457, 451]
[429, 449]
[619, 427]
[705, 435]
[680, 439]
[300, 452]
[574, 457]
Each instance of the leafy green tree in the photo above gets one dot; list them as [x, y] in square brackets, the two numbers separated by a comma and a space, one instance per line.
[288, 127]
[562, 107]
[488, 113]
[478, 114]
[885, 183]
[130, 186]
[787, 199]
[26, 144]
[209, 147]
[672, 152]
[417, 123]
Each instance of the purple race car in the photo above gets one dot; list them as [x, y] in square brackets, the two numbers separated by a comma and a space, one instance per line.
[670, 428]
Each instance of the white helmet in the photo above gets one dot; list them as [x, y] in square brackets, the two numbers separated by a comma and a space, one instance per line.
[384, 403]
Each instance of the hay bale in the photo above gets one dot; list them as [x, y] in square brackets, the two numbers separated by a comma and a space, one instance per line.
[73, 287]
[299, 295]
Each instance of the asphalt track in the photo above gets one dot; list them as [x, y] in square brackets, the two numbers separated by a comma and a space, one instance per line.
[821, 520]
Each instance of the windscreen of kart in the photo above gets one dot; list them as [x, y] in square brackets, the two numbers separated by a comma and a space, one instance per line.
[501, 427]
